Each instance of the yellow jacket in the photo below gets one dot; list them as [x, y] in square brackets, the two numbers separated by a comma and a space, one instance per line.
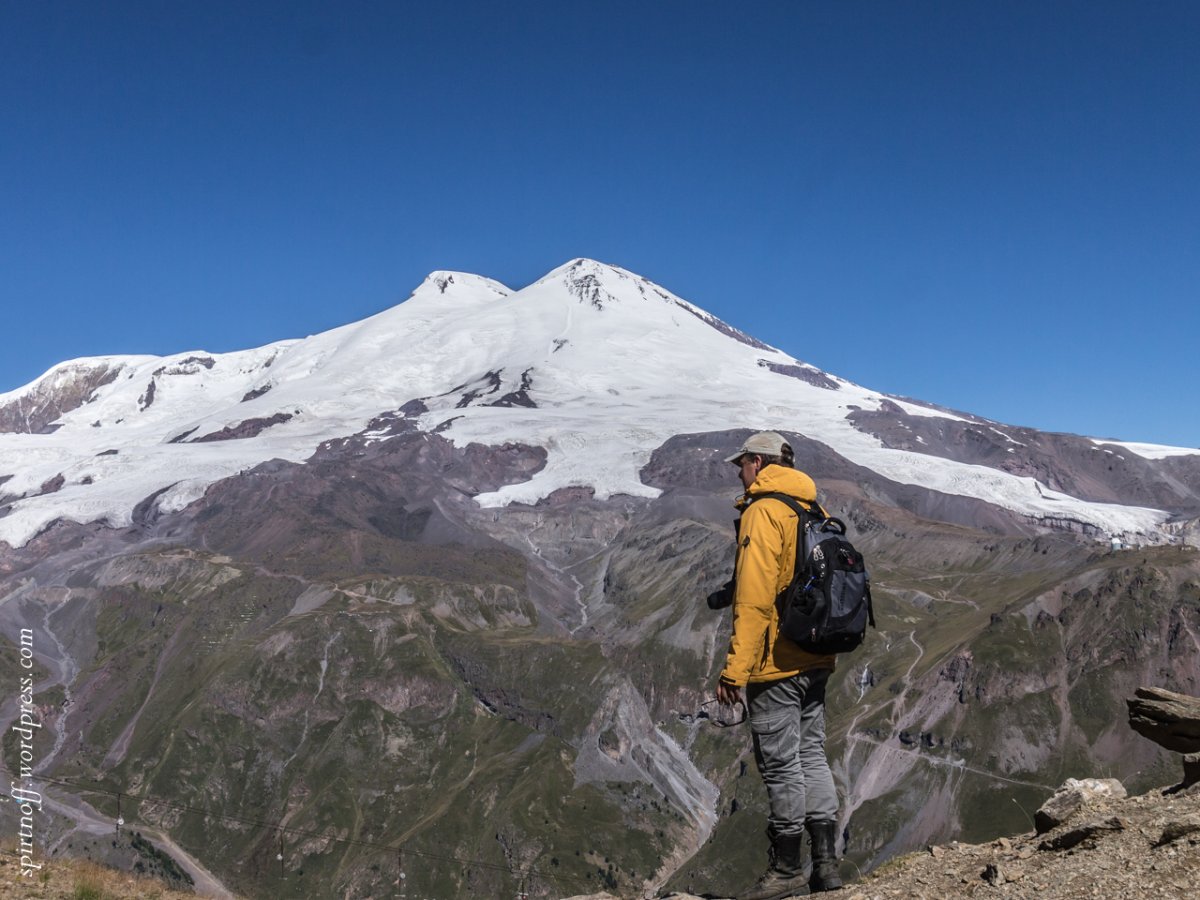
[766, 560]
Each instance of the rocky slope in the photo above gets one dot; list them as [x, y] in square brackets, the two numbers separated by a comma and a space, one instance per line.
[78, 879]
[354, 652]
[1144, 846]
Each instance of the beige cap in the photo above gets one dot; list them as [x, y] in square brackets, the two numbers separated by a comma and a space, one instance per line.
[765, 443]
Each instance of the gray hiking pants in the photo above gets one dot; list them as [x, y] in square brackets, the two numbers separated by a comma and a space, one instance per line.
[787, 719]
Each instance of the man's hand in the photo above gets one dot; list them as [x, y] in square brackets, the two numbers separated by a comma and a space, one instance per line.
[728, 694]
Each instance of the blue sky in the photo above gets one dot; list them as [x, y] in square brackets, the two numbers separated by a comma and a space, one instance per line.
[992, 206]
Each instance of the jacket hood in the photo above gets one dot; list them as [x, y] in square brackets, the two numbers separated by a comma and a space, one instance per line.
[775, 479]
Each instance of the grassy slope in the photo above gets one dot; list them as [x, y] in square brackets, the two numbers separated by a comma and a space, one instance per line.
[446, 720]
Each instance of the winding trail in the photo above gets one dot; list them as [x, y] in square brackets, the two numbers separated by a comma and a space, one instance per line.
[952, 763]
[898, 707]
[874, 776]
[308, 707]
[84, 818]
[88, 821]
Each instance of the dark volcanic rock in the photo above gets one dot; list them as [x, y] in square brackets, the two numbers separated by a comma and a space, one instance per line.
[1169, 719]
[519, 397]
[1063, 462]
[696, 462]
[54, 397]
[187, 366]
[807, 374]
[726, 329]
[245, 429]
[257, 392]
[53, 485]
[486, 384]
[180, 438]
[147, 397]
[391, 506]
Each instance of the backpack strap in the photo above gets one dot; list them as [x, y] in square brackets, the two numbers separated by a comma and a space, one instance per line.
[801, 511]
[799, 507]
[835, 526]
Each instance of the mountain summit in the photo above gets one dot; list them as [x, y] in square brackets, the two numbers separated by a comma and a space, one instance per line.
[594, 364]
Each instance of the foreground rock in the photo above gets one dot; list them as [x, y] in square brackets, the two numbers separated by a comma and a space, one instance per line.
[1169, 719]
[1073, 797]
[1110, 846]
[1146, 846]
[1172, 721]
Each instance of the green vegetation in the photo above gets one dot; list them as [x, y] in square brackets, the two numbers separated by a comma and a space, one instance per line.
[414, 723]
[427, 705]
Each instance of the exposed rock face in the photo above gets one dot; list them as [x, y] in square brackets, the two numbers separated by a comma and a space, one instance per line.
[1139, 847]
[1144, 846]
[1169, 719]
[1072, 797]
[807, 374]
[61, 390]
[1068, 463]
[695, 463]
[247, 428]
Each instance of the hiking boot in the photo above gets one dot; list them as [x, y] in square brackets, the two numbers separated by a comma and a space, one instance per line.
[785, 876]
[825, 875]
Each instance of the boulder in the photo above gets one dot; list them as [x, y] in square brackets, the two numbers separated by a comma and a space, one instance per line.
[1191, 770]
[1073, 796]
[1169, 719]
[1073, 837]
[1179, 828]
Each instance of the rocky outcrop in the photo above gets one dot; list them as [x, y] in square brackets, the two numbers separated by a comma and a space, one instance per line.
[1075, 465]
[1143, 846]
[247, 428]
[59, 391]
[1134, 847]
[1171, 720]
[809, 374]
[1072, 797]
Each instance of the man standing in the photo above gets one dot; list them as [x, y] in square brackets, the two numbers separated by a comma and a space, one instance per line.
[785, 685]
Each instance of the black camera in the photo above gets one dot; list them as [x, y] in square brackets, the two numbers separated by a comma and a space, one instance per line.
[722, 596]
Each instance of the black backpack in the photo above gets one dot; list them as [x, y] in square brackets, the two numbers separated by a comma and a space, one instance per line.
[827, 606]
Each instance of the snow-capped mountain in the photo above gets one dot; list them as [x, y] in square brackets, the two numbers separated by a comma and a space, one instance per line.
[593, 363]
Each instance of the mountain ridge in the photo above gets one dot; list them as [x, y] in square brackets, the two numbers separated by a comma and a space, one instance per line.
[591, 362]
